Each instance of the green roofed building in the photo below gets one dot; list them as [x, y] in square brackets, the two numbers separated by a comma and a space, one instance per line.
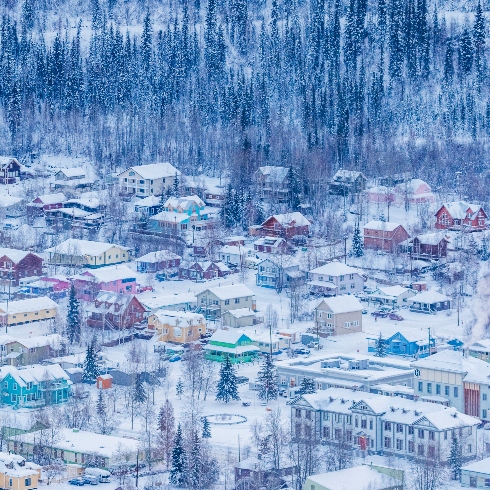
[236, 344]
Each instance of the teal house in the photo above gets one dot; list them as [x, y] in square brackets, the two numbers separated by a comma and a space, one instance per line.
[233, 343]
[34, 386]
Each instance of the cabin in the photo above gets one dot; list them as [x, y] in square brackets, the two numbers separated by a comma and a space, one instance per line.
[429, 302]
[427, 246]
[18, 264]
[480, 349]
[153, 179]
[285, 225]
[271, 183]
[409, 343]
[203, 271]
[461, 215]
[346, 182]
[383, 235]
[9, 170]
[71, 179]
[238, 346]
[162, 260]
[38, 206]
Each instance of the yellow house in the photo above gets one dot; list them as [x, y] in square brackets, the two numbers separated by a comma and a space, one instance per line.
[87, 253]
[27, 311]
[18, 474]
[177, 326]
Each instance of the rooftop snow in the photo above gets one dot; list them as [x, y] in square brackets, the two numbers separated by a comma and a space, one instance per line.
[28, 305]
[76, 247]
[15, 255]
[159, 256]
[428, 297]
[381, 226]
[230, 292]
[108, 274]
[342, 304]
[155, 170]
[335, 268]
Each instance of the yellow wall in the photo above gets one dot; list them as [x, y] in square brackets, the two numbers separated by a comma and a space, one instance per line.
[31, 316]
[166, 332]
[440, 376]
[114, 255]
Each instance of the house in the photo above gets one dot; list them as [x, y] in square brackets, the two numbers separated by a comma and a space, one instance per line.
[74, 446]
[353, 371]
[147, 180]
[27, 311]
[429, 302]
[272, 245]
[116, 278]
[148, 206]
[476, 474]
[184, 213]
[241, 317]
[338, 315]
[87, 253]
[162, 260]
[480, 349]
[83, 212]
[11, 208]
[34, 386]
[16, 264]
[382, 235]
[426, 246]
[272, 275]
[266, 342]
[56, 287]
[346, 182]
[408, 343]
[199, 271]
[231, 343]
[115, 311]
[213, 302]
[32, 350]
[177, 326]
[17, 473]
[271, 183]
[462, 381]
[379, 195]
[394, 296]
[260, 470]
[335, 278]
[388, 425]
[367, 477]
[175, 302]
[285, 225]
[104, 382]
[234, 255]
[413, 191]
[71, 178]
[461, 215]
[9, 170]
[215, 195]
[38, 206]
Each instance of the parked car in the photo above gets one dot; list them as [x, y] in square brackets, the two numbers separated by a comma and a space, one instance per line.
[246, 404]
[79, 482]
[301, 351]
[161, 276]
[175, 359]
[242, 380]
[364, 312]
[380, 314]
[394, 316]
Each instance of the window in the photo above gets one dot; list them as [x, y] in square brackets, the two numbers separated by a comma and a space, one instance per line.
[487, 482]
[326, 432]
[484, 413]
[329, 315]
[353, 286]
[432, 435]
[399, 444]
[227, 301]
[341, 278]
[455, 392]
[348, 419]
[387, 425]
[15, 387]
[411, 446]
[338, 434]
[364, 424]
[27, 482]
[387, 442]
[237, 301]
[298, 413]
[420, 450]
[337, 417]
[484, 397]
[438, 389]
[469, 448]
[446, 390]
[347, 324]
[351, 276]
[429, 388]
[326, 416]
[421, 386]
[421, 433]
[308, 415]
[371, 424]
[431, 452]
[399, 427]
[356, 324]
[445, 435]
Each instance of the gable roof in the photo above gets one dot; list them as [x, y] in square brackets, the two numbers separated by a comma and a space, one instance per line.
[184, 202]
[58, 197]
[108, 274]
[159, 256]
[15, 255]
[274, 174]
[35, 373]
[381, 225]
[343, 175]
[76, 247]
[290, 219]
[228, 336]
[431, 238]
[336, 268]
[230, 292]
[155, 170]
[149, 201]
[72, 172]
[179, 318]
[342, 304]
[28, 305]
[458, 209]
[429, 297]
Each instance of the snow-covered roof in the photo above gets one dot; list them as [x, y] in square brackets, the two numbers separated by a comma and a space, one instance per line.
[240, 349]
[109, 273]
[432, 238]
[287, 219]
[170, 217]
[74, 246]
[28, 305]
[240, 312]
[270, 241]
[184, 202]
[274, 174]
[51, 198]
[152, 301]
[482, 466]
[72, 172]
[155, 170]
[15, 255]
[347, 175]
[414, 184]
[177, 318]
[365, 477]
[234, 250]
[149, 202]
[458, 209]
[90, 202]
[481, 346]
[429, 297]
[335, 268]
[381, 225]
[227, 336]
[7, 200]
[230, 292]
[393, 290]
[4, 160]
[342, 304]
[159, 256]
[38, 341]
[35, 373]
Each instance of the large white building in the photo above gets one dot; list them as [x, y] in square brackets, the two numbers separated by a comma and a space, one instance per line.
[148, 180]
[383, 424]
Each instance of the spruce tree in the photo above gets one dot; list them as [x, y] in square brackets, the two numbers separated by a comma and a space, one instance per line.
[455, 460]
[73, 319]
[196, 467]
[176, 184]
[100, 407]
[139, 392]
[380, 346]
[178, 471]
[206, 428]
[267, 377]
[357, 243]
[90, 367]
[179, 388]
[227, 389]
[484, 252]
[307, 386]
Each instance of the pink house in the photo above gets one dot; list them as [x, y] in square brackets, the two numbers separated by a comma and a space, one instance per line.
[380, 195]
[415, 191]
[58, 283]
[117, 279]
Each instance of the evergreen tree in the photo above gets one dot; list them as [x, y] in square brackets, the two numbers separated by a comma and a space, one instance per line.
[267, 377]
[100, 406]
[176, 184]
[227, 389]
[206, 428]
[196, 469]
[484, 252]
[166, 428]
[179, 388]
[357, 243]
[178, 471]
[73, 320]
[307, 386]
[455, 460]
[380, 346]
[466, 51]
[90, 367]
[139, 391]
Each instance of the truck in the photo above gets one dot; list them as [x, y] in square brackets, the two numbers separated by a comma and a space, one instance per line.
[103, 475]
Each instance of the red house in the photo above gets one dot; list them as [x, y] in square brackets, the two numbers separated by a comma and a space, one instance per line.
[382, 235]
[454, 215]
[429, 246]
[38, 206]
[283, 225]
[16, 264]
[115, 310]
[203, 270]
[9, 170]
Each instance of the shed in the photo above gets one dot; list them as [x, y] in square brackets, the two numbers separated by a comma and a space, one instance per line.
[476, 475]
[104, 381]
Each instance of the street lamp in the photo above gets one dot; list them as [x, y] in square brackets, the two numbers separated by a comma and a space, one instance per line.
[345, 236]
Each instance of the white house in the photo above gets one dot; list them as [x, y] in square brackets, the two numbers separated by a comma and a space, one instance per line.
[335, 278]
[392, 295]
[147, 180]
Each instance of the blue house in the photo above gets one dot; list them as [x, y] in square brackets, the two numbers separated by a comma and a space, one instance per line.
[413, 344]
[271, 275]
